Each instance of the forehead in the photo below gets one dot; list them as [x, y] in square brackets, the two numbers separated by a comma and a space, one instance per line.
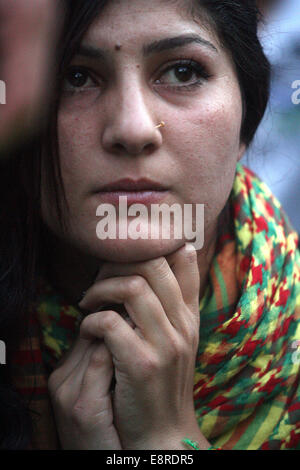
[133, 21]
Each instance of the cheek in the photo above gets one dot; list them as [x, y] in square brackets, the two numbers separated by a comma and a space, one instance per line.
[217, 127]
[76, 138]
[211, 131]
[209, 143]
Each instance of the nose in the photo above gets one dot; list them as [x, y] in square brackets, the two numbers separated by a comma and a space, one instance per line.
[131, 127]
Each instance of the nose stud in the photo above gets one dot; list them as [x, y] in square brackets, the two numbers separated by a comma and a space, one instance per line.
[161, 124]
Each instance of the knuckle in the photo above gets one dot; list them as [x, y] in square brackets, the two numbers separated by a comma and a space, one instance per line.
[99, 322]
[147, 366]
[135, 285]
[97, 360]
[84, 326]
[108, 320]
[177, 348]
[161, 267]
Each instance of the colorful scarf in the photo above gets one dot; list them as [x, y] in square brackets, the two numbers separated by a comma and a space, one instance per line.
[247, 391]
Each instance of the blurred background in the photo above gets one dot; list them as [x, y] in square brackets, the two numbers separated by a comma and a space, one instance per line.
[275, 152]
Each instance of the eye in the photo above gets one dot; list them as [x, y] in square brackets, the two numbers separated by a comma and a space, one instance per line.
[78, 78]
[183, 74]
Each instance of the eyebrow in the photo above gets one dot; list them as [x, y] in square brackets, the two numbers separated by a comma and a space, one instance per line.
[173, 43]
[93, 52]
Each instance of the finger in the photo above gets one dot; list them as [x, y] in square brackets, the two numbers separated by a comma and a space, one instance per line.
[184, 264]
[140, 301]
[159, 276]
[94, 402]
[96, 360]
[71, 359]
[121, 340]
[96, 381]
[69, 384]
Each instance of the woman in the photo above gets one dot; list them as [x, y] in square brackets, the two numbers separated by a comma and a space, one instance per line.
[157, 102]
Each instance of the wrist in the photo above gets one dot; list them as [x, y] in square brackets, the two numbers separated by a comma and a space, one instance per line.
[195, 446]
[174, 441]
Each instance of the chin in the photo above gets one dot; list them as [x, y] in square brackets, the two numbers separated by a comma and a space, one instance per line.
[132, 251]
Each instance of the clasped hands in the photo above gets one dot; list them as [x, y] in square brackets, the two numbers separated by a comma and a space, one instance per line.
[152, 358]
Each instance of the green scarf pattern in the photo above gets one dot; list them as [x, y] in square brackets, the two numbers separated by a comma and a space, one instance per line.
[247, 392]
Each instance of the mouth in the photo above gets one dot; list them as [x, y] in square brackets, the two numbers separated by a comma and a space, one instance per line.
[130, 185]
[142, 191]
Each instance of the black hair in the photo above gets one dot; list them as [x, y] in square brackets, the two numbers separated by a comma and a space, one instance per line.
[21, 237]
[236, 23]
[21, 249]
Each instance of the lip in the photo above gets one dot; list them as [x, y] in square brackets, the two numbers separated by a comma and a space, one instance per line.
[128, 185]
[142, 191]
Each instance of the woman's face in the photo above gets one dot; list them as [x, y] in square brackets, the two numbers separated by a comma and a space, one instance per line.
[141, 63]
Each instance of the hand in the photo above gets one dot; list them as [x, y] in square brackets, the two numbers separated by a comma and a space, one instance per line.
[80, 392]
[154, 361]
[27, 32]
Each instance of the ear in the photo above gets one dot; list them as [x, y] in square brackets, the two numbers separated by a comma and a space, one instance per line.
[242, 150]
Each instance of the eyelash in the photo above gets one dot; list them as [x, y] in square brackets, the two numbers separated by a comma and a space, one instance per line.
[193, 65]
[195, 68]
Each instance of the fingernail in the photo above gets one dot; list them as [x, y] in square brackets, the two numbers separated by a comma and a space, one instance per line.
[190, 247]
